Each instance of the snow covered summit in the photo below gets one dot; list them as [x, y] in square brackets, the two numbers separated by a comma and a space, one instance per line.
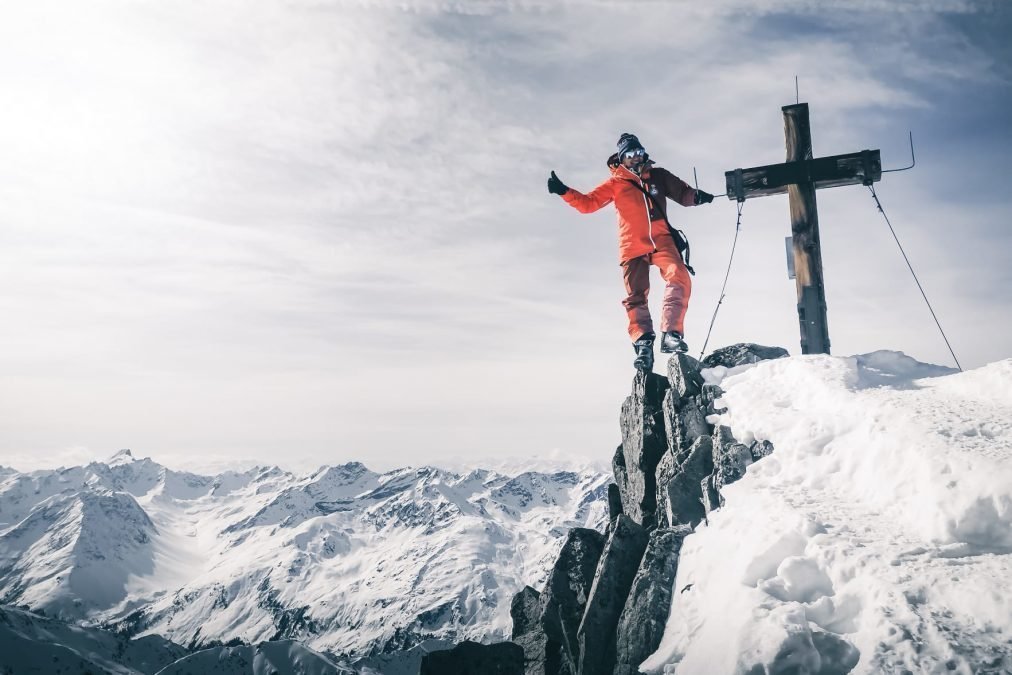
[877, 536]
[812, 514]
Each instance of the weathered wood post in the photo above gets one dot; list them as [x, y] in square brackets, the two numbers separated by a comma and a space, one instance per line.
[805, 233]
[800, 176]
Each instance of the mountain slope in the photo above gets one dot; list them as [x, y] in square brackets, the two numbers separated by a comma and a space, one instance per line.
[30, 643]
[346, 560]
[75, 551]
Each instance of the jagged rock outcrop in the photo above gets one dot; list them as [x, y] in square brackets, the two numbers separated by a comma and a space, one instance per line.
[760, 449]
[679, 486]
[641, 625]
[472, 658]
[684, 376]
[643, 443]
[547, 631]
[708, 399]
[668, 471]
[684, 422]
[711, 498]
[525, 610]
[742, 353]
[528, 631]
[614, 502]
[730, 459]
[615, 573]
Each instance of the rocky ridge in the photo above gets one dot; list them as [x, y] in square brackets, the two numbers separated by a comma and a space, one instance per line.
[607, 599]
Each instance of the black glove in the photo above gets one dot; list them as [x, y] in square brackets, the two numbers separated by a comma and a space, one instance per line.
[557, 187]
[703, 197]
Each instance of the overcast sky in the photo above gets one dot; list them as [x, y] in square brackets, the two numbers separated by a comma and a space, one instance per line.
[312, 232]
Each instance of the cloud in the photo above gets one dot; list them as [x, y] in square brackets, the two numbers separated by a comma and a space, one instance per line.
[324, 227]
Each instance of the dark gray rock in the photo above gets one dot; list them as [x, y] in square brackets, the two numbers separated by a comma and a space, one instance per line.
[667, 468]
[742, 353]
[563, 603]
[615, 573]
[679, 492]
[730, 459]
[472, 658]
[643, 443]
[619, 472]
[614, 502]
[525, 610]
[641, 625]
[535, 647]
[760, 449]
[709, 396]
[683, 424]
[711, 498]
[683, 375]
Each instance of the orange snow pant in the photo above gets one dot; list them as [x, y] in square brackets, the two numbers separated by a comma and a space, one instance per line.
[636, 275]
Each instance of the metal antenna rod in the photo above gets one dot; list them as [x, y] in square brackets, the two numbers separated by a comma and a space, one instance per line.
[913, 160]
[797, 95]
[696, 179]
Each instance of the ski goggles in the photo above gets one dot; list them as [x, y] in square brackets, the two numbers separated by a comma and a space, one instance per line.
[634, 153]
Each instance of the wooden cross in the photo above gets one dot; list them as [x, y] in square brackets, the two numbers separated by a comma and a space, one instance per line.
[800, 176]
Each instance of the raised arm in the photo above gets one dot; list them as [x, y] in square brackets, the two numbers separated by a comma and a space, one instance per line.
[597, 198]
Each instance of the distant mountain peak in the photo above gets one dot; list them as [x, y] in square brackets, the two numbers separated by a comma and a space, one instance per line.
[124, 456]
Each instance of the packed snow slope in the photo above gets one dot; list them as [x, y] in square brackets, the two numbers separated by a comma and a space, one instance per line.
[878, 535]
[345, 560]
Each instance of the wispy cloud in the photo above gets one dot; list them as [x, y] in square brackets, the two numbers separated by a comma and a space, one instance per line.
[323, 227]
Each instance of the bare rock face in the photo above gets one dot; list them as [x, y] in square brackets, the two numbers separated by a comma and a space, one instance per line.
[680, 499]
[472, 658]
[641, 625]
[615, 573]
[760, 449]
[545, 625]
[684, 422]
[708, 398]
[614, 502]
[683, 374]
[742, 353]
[525, 610]
[730, 459]
[711, 498]
[643, 443]
[608, 598]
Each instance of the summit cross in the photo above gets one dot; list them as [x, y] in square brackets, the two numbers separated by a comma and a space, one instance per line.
[800, 176]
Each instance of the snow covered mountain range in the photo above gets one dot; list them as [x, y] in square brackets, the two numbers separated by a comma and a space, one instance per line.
[858, 519]
[346, 561]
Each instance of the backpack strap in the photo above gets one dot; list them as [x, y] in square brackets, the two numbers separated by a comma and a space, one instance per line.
[681, 241]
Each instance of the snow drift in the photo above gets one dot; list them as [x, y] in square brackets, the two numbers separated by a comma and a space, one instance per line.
[876, 538]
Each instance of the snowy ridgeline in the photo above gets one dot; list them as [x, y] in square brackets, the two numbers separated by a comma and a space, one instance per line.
[345, 561]
[884, 517]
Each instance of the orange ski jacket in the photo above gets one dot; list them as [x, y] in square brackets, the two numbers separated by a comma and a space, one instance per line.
[640, 223]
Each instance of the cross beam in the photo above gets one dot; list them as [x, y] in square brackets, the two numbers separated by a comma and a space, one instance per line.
[863, 167]
[800, 176]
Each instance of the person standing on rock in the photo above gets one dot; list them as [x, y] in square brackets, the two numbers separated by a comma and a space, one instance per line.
[645, 237]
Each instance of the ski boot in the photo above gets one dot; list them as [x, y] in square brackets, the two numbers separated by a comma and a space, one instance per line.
[672, 342]
[644, 348]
